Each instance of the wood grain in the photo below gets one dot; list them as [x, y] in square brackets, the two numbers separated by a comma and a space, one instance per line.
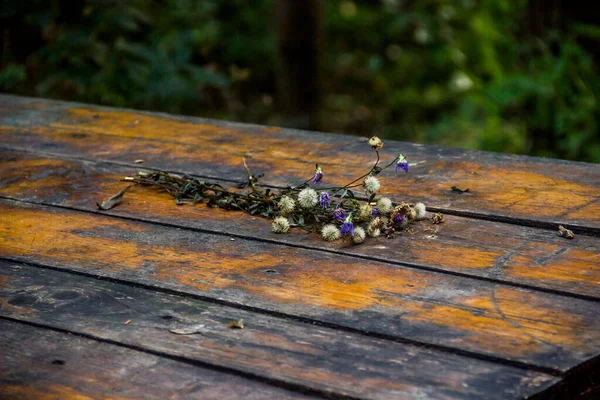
[530, 190]
[468, 315]
[317, 358]
[37, 363]
[485, 249]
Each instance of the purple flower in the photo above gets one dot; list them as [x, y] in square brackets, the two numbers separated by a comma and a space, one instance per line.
[318, 174]
[325, 199]
[347, 227]
[401, 163]
[375, 212]
[398, 218]
[339, 214]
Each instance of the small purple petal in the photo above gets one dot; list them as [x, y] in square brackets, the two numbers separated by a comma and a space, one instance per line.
[339, 214]
[398, 218]
[347, 229]
[325, 199]
[318, 176]
[402, 165]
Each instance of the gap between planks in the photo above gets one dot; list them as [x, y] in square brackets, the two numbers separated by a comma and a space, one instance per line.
[306, 320]
[579, 229]
[290, 386]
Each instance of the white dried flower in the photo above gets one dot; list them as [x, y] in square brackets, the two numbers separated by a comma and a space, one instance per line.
[286, 205]
[419, 211]
[280, 225]
[308, 198]
[364, 212]
[330, 233]
[376, 223]
[374, 228]
[371, 185]
[375, 143]
[359, 235]
[384, 205]
[373, 231]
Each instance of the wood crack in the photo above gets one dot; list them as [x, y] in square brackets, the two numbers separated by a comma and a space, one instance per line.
[514, 323]
[294, 387]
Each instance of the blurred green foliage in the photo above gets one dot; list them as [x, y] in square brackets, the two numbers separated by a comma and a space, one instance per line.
[455, 72]
[462, 73]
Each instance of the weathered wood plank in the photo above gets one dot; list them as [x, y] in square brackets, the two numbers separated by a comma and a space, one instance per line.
[530, 189]
[460, 313]
[37, 363]
[491, 250]
[320, 358]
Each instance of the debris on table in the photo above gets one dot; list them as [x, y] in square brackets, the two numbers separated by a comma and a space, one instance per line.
[237, 323]
[189, 330]
[564, 232]
[438, 218]
[114, 200]
[459, 190]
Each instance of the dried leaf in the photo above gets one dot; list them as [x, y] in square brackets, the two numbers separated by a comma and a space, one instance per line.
[564, 232]
[459, 190]
[114, 200]
[189, 330]
[237, 323]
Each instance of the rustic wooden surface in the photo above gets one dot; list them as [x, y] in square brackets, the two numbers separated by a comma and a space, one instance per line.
[501, 252]
[41, 363]
[491, 304]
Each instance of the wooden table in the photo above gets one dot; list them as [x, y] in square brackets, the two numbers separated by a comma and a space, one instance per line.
[490, 304]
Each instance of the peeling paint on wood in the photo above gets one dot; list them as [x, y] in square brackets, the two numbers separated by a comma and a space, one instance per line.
[317, 357]
[540, 328]
[37, 363]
